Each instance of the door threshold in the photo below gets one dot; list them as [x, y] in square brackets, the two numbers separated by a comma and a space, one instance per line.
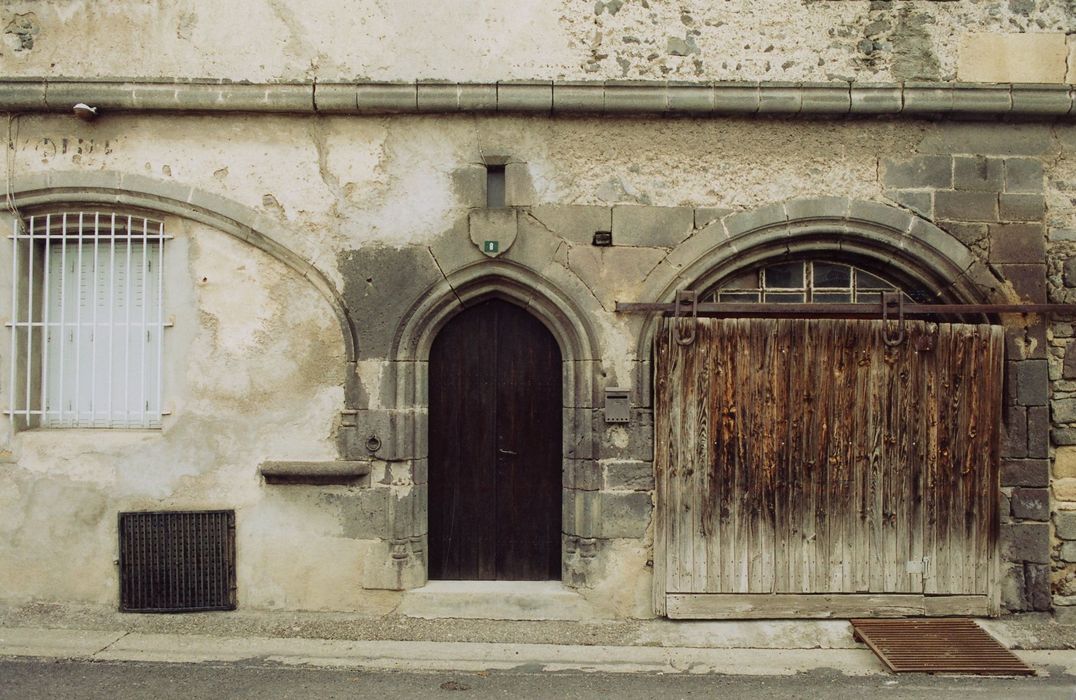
[497, 600]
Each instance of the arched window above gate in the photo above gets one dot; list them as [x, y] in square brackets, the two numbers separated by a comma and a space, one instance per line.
[809, 281]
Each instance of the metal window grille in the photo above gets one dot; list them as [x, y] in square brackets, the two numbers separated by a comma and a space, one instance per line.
[803, 281]
[87, 321]
[177, 561]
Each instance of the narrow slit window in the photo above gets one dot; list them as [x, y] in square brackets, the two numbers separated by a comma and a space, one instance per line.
[495, 184]
[88, 323]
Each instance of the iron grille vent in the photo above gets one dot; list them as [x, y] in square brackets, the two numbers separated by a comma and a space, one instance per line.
[177, 561]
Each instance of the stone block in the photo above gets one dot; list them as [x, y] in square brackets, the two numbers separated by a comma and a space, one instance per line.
[1032, 382]
[1068, 366]
[364, 513]
[1012, 587]
[498, 225]
[988, 139]
[656, 227]
[1068, 552]
[634, 440]
[1011, 57]
[1065, 489]
[1031, 504]
[966, 206]
[628, 475]
[1014, 432]
[922, 172]
[1063, 410]
[1063, 436]
[769, 216]
[1022, 207]
[1037, 586]
[1028, 542]
[921, 203]
[707, 215]
[582, 474]
[378, 280]
[1065, 524]
[1017, 243]
[1065, 461]
[1025, 472]
[625, 513]
[1038, 432]
[1065, 615]
[968, 234]
[1004, 507]
[575, 223]
[518, 188]
[1068, 270]
[978, 173]
[1024, 175]
[1027, 280]
[469, 185]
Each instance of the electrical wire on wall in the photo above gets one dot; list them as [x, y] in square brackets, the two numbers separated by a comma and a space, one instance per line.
[9, 162]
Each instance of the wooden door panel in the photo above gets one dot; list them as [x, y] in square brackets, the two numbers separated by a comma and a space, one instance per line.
[808, 456]
[495, 447]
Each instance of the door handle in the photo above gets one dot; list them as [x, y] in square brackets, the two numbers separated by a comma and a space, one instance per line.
[505, 452]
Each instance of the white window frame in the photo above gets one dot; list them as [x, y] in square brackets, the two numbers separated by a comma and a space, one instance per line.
[86, 353]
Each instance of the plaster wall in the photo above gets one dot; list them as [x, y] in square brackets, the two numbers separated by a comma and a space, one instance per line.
[383, 207]
[808, 40]
[253, 370]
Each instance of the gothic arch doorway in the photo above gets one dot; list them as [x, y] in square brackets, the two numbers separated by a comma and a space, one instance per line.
[495, 447]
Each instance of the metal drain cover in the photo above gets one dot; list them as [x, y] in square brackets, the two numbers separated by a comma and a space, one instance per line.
[938, 645]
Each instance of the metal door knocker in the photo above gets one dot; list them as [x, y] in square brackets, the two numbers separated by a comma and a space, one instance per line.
[683, 298]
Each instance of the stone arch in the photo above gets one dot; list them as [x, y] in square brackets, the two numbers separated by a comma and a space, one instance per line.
[169, 198]
[891, 238]
[407, 379]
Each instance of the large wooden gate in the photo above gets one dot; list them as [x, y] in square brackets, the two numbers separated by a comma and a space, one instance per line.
[808, 468]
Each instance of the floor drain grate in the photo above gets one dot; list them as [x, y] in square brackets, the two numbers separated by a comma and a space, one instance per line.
[939, 645]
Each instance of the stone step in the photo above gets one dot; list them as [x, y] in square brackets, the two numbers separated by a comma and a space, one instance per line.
[497, 600]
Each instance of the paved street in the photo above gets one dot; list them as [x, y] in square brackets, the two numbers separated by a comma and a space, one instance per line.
[28, 679]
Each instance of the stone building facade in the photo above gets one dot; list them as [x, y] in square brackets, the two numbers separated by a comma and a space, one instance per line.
[323, 228]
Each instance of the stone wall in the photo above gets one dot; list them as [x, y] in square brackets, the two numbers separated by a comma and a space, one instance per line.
[772, 40]
[387, 210]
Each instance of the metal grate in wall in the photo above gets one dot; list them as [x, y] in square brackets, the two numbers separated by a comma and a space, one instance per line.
[177, 561]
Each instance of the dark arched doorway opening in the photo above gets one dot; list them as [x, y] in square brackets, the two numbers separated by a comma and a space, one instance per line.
[495, 447]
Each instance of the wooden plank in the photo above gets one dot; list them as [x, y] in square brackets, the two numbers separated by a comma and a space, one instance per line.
[703, 458]
[703, 606]
[672, 544]
[662, 433]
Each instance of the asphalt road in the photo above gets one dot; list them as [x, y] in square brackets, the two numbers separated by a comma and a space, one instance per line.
[28, 679]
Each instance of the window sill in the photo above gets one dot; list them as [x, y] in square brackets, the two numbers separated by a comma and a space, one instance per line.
[330, 472]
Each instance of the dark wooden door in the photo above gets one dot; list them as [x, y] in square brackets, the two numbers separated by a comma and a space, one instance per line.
[495, 447]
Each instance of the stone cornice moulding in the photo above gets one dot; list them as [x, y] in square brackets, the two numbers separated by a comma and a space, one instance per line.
[647, 98]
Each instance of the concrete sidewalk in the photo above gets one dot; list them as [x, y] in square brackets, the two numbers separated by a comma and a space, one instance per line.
[763, 648]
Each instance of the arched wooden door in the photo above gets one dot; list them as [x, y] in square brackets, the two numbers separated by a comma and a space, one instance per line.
[495, 447]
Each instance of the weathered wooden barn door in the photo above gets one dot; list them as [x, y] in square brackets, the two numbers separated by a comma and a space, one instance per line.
[495, 447]
[808, 468]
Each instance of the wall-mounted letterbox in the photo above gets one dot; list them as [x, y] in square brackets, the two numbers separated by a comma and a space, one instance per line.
[617, 404]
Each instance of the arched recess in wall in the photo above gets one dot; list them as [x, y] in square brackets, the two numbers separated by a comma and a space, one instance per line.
[224, 215]
[499, 279]
[893, 241]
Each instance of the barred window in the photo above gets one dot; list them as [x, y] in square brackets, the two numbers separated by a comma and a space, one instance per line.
[807, 281]
[87, 321]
